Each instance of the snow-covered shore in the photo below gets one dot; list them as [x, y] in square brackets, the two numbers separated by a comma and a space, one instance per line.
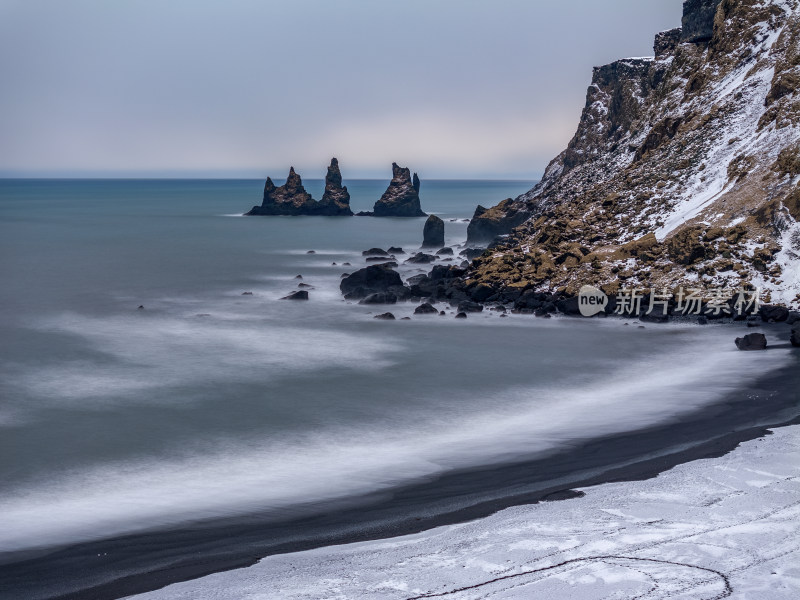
[713, 528]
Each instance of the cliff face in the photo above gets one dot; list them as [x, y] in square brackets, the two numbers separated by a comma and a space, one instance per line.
[684, 168]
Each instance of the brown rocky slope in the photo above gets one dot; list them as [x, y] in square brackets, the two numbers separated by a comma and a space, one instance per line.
[684, 170]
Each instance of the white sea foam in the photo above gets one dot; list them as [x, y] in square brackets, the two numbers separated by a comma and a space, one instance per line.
[278, 474]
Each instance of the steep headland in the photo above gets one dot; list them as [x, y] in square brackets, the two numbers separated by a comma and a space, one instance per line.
[683, 171]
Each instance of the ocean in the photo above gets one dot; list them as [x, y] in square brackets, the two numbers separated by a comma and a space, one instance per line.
[208, 405]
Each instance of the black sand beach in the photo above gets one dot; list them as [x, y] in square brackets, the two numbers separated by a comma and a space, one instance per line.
[123, 566]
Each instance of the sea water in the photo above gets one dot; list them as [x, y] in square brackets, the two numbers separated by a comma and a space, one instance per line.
[208, 402]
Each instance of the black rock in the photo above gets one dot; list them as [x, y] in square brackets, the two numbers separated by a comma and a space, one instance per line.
[336, 199]
[375, 252]
[293, 200]
[701, 320]
[304, 285]
[401, 198]
[469, 307]
[752, 341]
[569, 306]
[471, 253]
[298, 295]
[421, 258]
[311, 252]
[298, 276]
[369, 280]
[387, 316]
[776, 314]
[794, 317]
[697, 23]
[461, 315]
[395, 250]
[389, 264]
[380, 298]
[140, 307]
[377, 258]
[488, 223]
[433, 233]
[425, 309]
[247, 293]
[445, 252]
[794, 338]
[481, 292]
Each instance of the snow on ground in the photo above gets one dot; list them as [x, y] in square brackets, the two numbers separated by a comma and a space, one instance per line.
[713, 528]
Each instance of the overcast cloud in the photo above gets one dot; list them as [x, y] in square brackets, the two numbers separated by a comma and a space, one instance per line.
[452, 88]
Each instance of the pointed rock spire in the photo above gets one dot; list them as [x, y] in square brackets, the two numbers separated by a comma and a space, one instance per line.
[401, 198]
[336, 199]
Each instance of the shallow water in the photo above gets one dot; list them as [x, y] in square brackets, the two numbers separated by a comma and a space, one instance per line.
[208, 403]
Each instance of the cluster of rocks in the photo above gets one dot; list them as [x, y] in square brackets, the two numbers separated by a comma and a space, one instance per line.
[401, 198]
[292, 199]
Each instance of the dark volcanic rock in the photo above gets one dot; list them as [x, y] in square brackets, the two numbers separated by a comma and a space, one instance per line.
[395, 250]
[375, 252]
[666, 42]
[795, 337]
[292, 199]
[380, 298]
[445, 252]
[298, 295]
[336, 199]
[415, 182]
[698, 20]
[426, 309]
[378, 258]
[752, 341]
[401, 198]
[461, 315]
[421, 258]
[469, 307]
[288, 199]
[369, 280]
[387, 316]
[488, 223]
[433, 233]
[776, 314]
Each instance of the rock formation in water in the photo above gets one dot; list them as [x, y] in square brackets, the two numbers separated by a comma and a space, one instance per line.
[336, 199]
[401, 198]
[684, 170]
[293, 200]
[433, 233]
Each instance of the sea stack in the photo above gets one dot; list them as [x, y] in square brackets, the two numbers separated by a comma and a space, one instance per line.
[401, 198]
[291, 199]
[336, 199]
[433, 233]
[288, 199]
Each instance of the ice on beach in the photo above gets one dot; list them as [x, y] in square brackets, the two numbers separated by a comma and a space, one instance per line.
[700, 530]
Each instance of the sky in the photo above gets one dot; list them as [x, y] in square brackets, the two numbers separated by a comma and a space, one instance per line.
[245, 88]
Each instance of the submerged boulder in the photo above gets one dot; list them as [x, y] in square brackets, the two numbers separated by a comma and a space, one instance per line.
[433, 233]
[370, 280]
[752, 341]
[298, 295]
[401, 198]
